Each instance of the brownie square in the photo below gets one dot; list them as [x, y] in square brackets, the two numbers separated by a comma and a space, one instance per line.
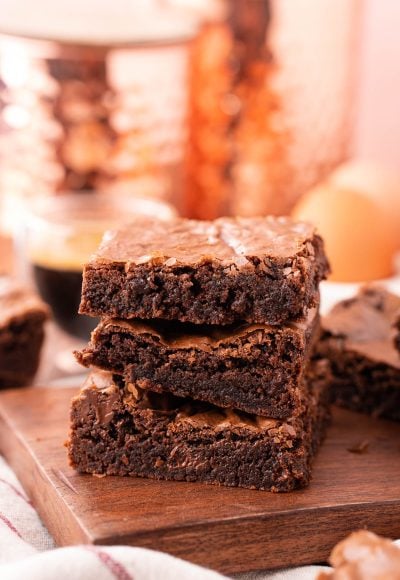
[259, 270]
[254, 368]
[357, 339]
[22, 317]
[121, 430]
[396, 338]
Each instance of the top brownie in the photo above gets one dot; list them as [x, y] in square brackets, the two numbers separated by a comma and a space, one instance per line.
[259, 270]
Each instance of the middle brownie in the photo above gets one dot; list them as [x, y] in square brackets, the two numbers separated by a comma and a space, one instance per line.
[254, 368]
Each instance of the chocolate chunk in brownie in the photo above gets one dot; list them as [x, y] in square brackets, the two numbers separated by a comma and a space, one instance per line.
[364, 556]
[22, 317]
[255, 368]
[357, 338]
[258, 270]
[117, 430]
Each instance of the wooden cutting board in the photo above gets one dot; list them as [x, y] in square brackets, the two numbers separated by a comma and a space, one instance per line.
[230, 530]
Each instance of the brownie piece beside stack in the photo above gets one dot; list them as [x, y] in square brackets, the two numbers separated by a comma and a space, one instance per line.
[22, 318]
[358, 341]
[397, 332]
[205, 347]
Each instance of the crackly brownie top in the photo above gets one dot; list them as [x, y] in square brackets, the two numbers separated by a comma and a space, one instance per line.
[184, 335]
[229, 240]
[366, 324]
[17, 301]
[364, 555]
[182, 412]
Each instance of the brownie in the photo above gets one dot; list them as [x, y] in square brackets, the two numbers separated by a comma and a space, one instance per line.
[364, 556]
[255, 368]
[357, 338]
[22, 317]
[396, 338]
[122, 430]
[259, 270]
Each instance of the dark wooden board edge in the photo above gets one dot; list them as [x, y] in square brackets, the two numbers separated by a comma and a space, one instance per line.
[234, 546]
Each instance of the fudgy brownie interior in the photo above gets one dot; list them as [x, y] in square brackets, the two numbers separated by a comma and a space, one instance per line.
[258, 270]
[256, 368]
[118, 430]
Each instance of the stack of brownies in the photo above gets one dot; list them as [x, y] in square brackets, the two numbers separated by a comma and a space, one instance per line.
[203, 354]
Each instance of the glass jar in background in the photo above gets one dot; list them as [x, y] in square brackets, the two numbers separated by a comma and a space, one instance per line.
[240, 116]
[93, 96]
[271, 95]
[58, 236]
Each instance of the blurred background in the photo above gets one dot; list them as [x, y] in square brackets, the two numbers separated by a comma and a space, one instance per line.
[199, 108]
[215, 106]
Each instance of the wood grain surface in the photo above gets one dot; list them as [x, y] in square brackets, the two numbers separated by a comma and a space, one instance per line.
[356, 484]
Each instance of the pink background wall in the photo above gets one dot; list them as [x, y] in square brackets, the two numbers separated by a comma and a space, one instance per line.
[377, 133]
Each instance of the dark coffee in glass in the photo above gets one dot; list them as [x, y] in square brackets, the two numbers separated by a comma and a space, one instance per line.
[61, 289]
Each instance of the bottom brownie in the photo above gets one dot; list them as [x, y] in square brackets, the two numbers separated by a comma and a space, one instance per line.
[117, 430]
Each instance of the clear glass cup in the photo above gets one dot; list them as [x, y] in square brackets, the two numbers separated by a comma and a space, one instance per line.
[57, 236]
